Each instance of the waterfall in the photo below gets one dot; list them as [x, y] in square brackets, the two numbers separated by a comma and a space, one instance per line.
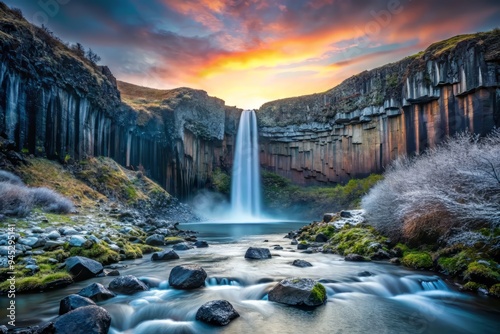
[245, 185]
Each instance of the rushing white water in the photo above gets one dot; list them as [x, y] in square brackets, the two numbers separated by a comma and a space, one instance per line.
[245, 186]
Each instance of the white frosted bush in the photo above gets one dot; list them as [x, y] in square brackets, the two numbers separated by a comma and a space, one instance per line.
[456, 185]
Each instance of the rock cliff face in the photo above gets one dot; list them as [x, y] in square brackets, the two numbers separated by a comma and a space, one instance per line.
[56, 103]
[360, 126]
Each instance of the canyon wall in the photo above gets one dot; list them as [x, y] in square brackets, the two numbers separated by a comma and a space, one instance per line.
[55, 103]
[360, 126]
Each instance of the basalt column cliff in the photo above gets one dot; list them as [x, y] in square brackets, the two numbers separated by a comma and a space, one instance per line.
[56, 103]
[360, 126]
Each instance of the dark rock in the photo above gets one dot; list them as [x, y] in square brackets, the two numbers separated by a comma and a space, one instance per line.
[380, 255]
[164, 256]
[3, 329]
[257, 253]
[127, 285]
[395, 260]
[182, 247]
[187, 277]
[278, 248]
[150, 281]
[302, 246]
[97, 292]
[51, 245]
[83, 268]
[113, 272]
[90, 319]
[345, 214]
[217, 312]
[201, 244]
[298, 292]
[72, 302]
[155, 240]
[365, 274]
[327, 217]
[301, 263]
[294, 242]
[354, 258]
[46, 328]
[396, 252]
[320, 237]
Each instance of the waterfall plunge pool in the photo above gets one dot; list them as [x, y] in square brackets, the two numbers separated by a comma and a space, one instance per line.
[391, 300]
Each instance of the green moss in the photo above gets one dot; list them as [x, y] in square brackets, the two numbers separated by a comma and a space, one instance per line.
[147, 249]
[173, 240]
[457, 263]
[221, 181]
[473, 286]
[327, 230]
[356, 240]
[495, 290]
[418, 260]
[404, 248]
[481, 273]
[318, 293]
[98, 252]
[131, 251]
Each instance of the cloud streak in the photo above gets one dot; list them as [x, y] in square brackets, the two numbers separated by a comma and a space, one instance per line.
[251, 51]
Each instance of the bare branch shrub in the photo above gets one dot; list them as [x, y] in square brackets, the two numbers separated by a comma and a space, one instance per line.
[456, 185]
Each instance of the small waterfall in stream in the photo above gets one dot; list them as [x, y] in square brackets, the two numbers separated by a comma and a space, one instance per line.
[245, 185]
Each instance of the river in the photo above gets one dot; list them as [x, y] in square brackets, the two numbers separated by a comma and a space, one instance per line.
[392, 299]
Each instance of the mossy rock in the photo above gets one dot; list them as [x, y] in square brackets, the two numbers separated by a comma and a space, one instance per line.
[318, 294]
[39, 282]
[173, 240]
[495, 290]
[356, 240]
[98, 252]
[473, 286]
[481, 273]
[418, 260]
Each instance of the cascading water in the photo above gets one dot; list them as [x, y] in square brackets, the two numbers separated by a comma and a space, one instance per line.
[245, 185]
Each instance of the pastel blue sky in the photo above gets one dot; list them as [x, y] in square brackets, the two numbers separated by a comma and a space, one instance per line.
[248, 52]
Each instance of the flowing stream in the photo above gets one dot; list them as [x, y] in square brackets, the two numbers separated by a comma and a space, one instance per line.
[391, 299]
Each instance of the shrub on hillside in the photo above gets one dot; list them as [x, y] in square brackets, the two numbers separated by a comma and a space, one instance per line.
[454, 187]
[18, 200]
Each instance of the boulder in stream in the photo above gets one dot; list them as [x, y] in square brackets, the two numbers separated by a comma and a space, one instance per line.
[164, 256]
[97, 292]
[127, 285]
[83, 268]
[302, 292]
[301, 263]
[217, 312]
[72, 302]
[187, 277]
[90, 319]
[257, 253]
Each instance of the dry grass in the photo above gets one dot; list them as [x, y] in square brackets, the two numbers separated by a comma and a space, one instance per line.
[50, 174]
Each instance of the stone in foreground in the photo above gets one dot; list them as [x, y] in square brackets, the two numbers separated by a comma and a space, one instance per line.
[257, 253]
[187, 277]
[97, 292]
[72, 302]
[302, 292]
[127, 285]
[164, 256]
[301, 263]
[83, 268]
[84, 320]
[217, 312]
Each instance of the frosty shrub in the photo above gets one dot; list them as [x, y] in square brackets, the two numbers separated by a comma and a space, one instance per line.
[51, 201]
[15, 200]
[9, 177]
[18, 200]
[455, 186]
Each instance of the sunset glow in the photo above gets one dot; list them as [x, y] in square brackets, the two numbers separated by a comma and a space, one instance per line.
[248, 52]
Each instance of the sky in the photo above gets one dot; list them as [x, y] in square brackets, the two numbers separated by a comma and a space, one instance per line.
[248, 52]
